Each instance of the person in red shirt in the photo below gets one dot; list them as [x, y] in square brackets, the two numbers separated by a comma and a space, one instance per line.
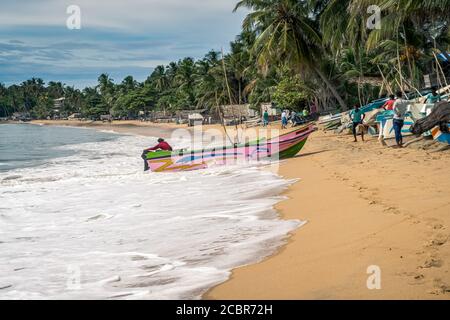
[389, 105]
[162, 145]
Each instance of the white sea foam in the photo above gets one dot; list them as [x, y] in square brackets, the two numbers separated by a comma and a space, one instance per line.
[95, 226]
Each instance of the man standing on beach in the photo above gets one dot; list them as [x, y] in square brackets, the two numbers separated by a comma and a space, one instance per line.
[400, 107]
[433, 97]
[266, 118]
[283, 119]
[357, 116]
[389, 105]
[162, 145]
[305, 113]
[292, 118]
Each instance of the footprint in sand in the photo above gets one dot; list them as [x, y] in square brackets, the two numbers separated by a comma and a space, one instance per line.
[392, 210]
[434, 223]
[432, 262]
[416, 279]
[437, 226]
[419, 277]
[439, 287]
[438, 240]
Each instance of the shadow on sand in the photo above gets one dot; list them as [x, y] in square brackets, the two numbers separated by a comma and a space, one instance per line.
[310, 154]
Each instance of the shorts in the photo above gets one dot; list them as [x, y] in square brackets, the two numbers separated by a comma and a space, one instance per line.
[355, 125]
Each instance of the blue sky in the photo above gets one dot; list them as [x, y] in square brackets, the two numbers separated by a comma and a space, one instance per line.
[118, 37]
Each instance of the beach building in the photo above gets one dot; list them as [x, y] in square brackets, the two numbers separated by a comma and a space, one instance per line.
[74, 116]
[106, 117]
[161, 116]
[274, 113]
[236, 114]
[20, 116]
[193, 117]
[58, 105]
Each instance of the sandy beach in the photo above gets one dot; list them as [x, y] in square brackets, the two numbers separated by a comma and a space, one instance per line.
[365, 205]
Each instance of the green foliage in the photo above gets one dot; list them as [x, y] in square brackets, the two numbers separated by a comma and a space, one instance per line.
[292, 93]
[43, 107]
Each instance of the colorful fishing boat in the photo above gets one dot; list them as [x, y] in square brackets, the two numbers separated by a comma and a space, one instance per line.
[324, 120]
[386, 124]
[388, 128]
[440, 136]
[281, 147]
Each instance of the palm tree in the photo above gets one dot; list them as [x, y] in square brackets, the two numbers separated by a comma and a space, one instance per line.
[238, 61]
[128, 84]
[410, 31]
[160, 79]
[105, 84]
[74, 99]
[32, 89]
[210, 86]
[55, 89]
[184, 79]
[106, 89]
[287, 35]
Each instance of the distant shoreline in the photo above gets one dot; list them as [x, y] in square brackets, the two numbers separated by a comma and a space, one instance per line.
[121, 126]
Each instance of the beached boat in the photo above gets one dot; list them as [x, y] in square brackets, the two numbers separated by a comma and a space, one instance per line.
[388, 127]
[440, 136]
[281, 147]
[324, 120]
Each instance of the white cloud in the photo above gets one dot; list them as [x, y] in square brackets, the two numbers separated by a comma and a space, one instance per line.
[116, 35]
[119, 14]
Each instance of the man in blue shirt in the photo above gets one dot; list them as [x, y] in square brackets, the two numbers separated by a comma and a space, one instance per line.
[357, 116]
[433, 97]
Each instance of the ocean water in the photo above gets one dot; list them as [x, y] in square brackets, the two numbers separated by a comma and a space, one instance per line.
[79, 219]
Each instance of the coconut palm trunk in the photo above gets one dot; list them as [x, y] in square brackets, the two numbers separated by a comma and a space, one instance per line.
[331, 87]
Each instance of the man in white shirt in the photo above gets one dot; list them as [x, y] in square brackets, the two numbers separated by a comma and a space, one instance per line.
[400, 108]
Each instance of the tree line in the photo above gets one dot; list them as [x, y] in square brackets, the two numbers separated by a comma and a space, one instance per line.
[289, 52]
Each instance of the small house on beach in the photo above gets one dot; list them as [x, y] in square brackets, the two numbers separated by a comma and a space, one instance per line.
[193, 117]
[58, 105]
[234, 114]
[274, 113]
[161, 116]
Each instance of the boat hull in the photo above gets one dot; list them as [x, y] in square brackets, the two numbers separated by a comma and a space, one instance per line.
[440, 136]
[282, 147]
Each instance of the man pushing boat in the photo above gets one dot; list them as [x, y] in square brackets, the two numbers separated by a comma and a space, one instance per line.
[162, 145]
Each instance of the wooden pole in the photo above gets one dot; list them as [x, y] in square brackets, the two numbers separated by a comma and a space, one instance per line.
[440, 68]
[409, 84]
[388, 86]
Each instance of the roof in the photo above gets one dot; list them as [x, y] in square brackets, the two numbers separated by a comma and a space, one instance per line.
[237, 110]
[187, 113]
[194, 116]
